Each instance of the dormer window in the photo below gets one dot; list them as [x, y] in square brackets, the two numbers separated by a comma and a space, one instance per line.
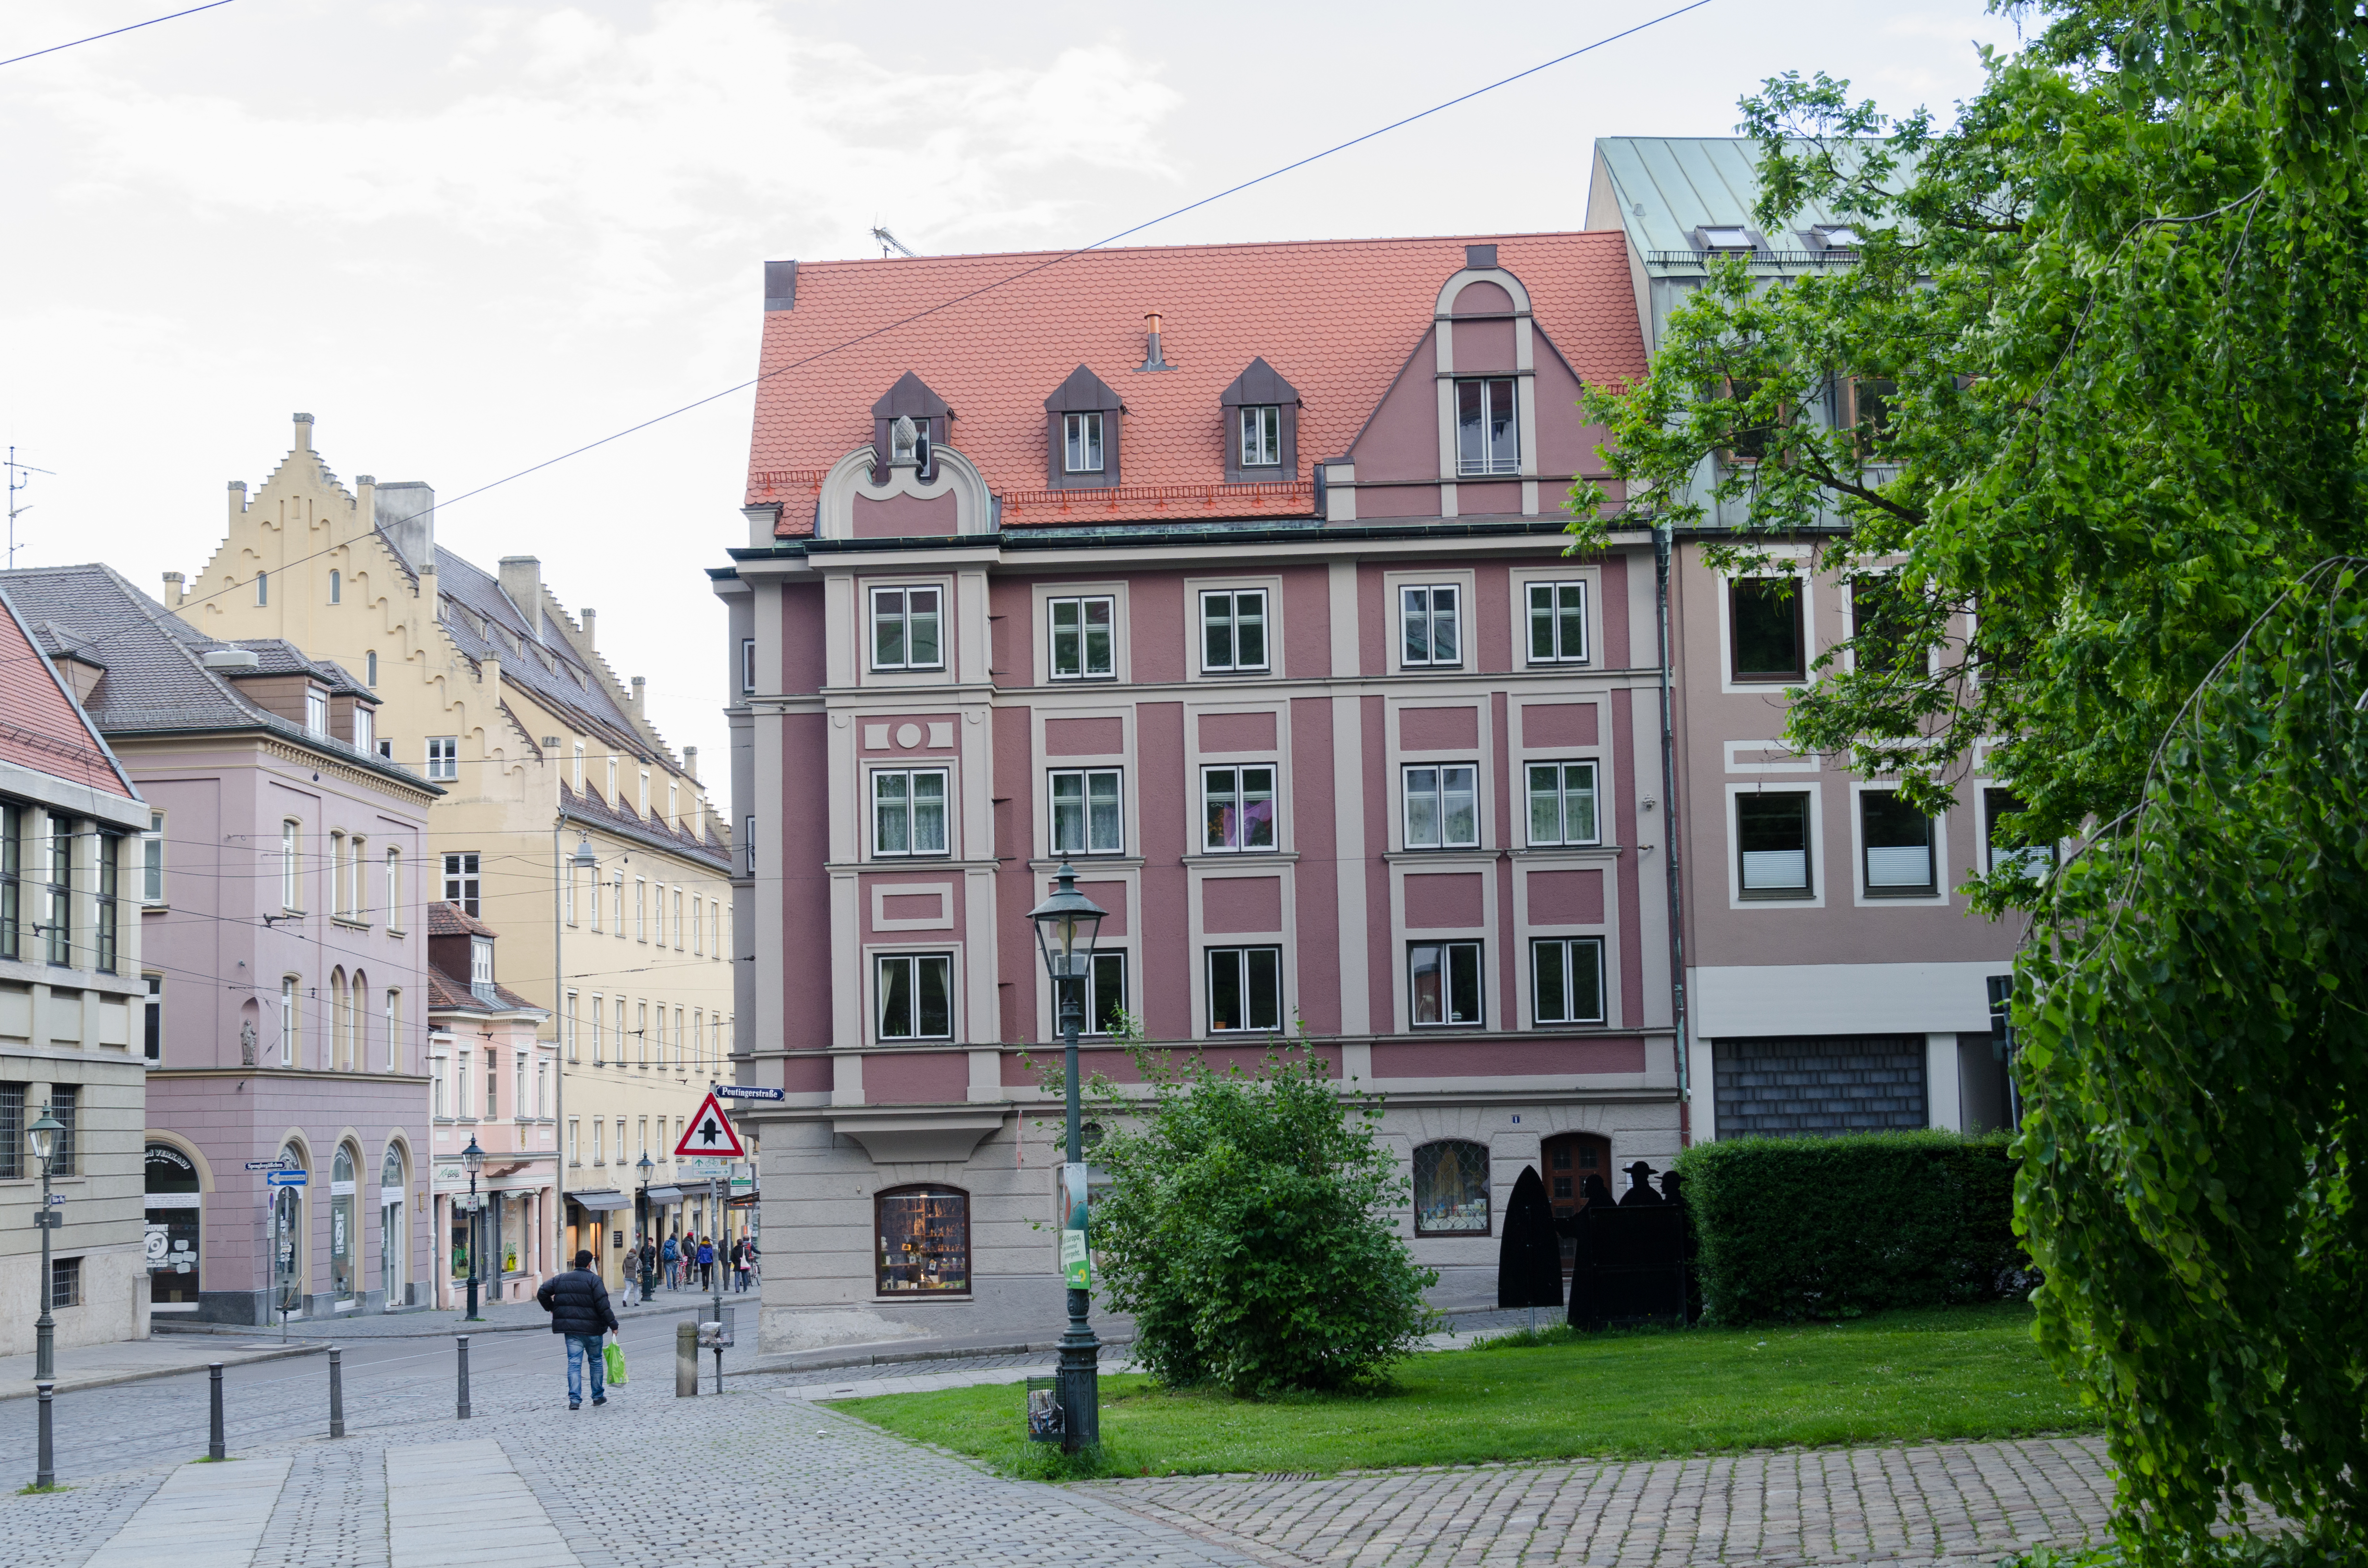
[1487, 428]
[1727, 241]
[1083, 431]
[1835, 237]
[1261, 426]
[1081, 443]
[316, 711]
[481, 967]
[910, 401]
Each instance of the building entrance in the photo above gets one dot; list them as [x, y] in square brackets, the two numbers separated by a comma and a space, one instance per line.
[1570, 1159]
[176, 1229]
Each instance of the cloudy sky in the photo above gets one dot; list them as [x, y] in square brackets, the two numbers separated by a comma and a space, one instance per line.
[468, 237]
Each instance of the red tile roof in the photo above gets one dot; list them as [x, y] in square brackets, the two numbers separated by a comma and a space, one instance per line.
[1337, 317]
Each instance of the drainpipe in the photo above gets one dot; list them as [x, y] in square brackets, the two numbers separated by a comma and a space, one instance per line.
[1663, 548]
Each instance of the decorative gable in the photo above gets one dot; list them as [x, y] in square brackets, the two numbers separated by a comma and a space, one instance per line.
[1081, 433]
[910, 398]
[1261, 426]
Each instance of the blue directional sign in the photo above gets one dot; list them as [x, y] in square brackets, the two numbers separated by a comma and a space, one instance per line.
[283, 1179]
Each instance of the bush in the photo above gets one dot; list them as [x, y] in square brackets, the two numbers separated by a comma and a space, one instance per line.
[1793, 1227]
[1249, 1228]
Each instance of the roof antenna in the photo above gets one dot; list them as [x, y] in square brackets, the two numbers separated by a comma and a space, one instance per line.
[15, 484]
[889, 242]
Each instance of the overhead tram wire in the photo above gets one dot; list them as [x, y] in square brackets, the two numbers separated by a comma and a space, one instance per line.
[114, 32]
[984, 288]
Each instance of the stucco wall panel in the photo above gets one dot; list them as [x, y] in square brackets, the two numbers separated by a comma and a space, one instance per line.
[1315, 880]
[1567, 898]
[1165, 816]
[916, 1077]
[905, 516]
[1559, 725]
[1085, 737]
[1237, 732]
[1438, 729]
[1466, 1058]
[1445, 901]
[1235, 906]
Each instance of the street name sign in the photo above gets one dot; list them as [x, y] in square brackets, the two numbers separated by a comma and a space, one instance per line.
[266, 1164]
[746, 1092]
[710, 1134]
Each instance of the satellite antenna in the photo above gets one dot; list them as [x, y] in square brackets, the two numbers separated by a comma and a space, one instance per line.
[15, 484]
[889, 242]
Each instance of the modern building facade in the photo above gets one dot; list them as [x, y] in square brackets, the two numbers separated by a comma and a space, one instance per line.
[71, 1006]
[1836, 980]
[1256, 611]
[492, 1084]
[277, 878]
[488, 685]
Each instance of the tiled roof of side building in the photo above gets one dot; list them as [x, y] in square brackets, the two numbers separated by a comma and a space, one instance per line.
[156, 682]
[446, 919]
[446, 994]
[275, 655]
[585, 805]
[1337, 318]
[41, 726]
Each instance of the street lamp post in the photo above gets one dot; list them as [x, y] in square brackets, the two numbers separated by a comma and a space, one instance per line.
[648, 1254]
[474, 1159]
[1065, 927]
[42, 1138]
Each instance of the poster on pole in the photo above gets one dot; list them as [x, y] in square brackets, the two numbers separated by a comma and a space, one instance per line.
[1077, 1259]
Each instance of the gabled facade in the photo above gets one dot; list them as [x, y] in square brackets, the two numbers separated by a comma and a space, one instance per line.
[1233, 576]
[70, 1003]
[277, 878]
[489, 686]
[1836, 980]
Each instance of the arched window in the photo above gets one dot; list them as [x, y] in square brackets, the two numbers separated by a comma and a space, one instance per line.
[345, 1277]
[176, 1229]
[358, 1009]
[394, 1239]
[288, 1237]
[332, 1050]
[336, 587]
[924, 1241]
[1451, 1189]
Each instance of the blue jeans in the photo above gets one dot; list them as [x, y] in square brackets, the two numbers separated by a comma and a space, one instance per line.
[583, 1348]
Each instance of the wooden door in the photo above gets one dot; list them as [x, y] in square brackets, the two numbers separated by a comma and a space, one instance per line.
[1567, 1159]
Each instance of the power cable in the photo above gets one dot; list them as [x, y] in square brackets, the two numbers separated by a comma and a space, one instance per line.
[112, 33]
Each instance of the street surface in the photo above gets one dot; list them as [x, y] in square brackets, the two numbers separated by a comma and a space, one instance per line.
[763, 1476]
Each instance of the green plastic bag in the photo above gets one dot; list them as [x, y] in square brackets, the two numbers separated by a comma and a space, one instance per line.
[614, 1355]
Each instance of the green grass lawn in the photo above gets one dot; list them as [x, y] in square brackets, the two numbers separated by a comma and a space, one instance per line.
[1955, 1373]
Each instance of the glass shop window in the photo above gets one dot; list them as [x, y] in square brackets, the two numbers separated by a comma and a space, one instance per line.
[1450, 1189]
[924, 1239]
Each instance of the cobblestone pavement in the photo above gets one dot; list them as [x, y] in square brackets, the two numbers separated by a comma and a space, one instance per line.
[1954, 1505]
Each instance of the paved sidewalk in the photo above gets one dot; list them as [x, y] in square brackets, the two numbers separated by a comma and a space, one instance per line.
[502, 1317]
[1958, 1506]
[101, 1366]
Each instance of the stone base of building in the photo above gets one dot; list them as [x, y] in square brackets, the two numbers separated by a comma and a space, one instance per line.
[114, 1304]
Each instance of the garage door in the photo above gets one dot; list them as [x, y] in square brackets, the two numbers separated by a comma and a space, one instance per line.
[1799, 1086]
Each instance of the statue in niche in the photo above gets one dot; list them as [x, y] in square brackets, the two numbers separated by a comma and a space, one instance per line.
[247, 1043]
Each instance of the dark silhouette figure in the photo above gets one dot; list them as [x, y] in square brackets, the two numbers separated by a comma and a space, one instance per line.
[1640, 1187]
[1593, 1191]
[1528, 1258]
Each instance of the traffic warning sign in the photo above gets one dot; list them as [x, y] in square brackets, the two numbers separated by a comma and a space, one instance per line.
[710, 1135]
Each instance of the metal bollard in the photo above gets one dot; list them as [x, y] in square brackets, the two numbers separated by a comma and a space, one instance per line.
[215, 1449]
[464, 1376]
[46, 1475]
[686, 1360]
[337, 1393]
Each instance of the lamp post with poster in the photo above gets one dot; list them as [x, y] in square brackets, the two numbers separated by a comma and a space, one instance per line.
[474, 1158]
[42, 1139]
[646, 1254]
[1066, 924]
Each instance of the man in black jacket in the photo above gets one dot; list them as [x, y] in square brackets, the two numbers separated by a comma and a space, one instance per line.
[578, 1305]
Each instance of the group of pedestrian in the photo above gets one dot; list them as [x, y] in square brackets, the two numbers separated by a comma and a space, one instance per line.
[690, 1262]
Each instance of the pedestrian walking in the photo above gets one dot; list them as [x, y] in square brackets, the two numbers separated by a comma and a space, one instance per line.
[672, 1254]
[578, 1305]
[755, 1272]
[747, 1262]
[706, 1264]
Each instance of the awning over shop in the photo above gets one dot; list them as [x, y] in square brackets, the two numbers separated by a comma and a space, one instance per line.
[602, 1201]
[741, 1201]
[665, 1195]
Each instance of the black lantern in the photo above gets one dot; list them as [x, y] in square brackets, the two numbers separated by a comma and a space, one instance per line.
[1066, 924]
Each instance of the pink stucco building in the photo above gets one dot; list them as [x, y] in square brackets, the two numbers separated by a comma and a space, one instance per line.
[1235, 576]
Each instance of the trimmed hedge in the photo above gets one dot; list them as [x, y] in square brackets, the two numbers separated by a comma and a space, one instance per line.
[1791, 1228]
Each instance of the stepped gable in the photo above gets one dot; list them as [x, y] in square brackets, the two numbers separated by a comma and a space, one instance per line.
[1336, 318]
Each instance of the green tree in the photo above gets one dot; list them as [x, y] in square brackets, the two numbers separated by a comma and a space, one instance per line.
[1248, 1227]
[2116, 313]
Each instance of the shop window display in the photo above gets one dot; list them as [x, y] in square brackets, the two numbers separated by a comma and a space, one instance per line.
[924, 1239]
[175, 1228]
[1450, 1189]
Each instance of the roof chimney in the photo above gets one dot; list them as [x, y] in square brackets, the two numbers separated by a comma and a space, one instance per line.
[406, 515]
[174, 592]
[1479, 256]
[780, 286]
[304, 432]
[634, 704]
[237, 500]
[1151, 359]
[690, 762]
[586, 616]
[522, 581]
[489, 672]
[365, 498]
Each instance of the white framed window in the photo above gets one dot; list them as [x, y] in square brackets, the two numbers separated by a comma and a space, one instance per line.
[715, 929]
[1105, 997]
[1896, 847]
[1081, 637]
[1557, 623]
[1773, 839]
[1085, 816]
[263, 587]
[578, 784]
[394, 887]
[369, 668]
[617, 903]
[916, 994]
[906, 629]
[908, 811]
[1443, 984]
[1081, 443]
[1261, 432]
[1999, 807]
[599, 1030]
[289, 1023]
[622, 1034]
[1233, 630]
[748, 843]
[575, 1140]
[291, 866]
[480, 965]
[748, 664]
[365, 729]
[152, 1019]
[600, 1141]
[336, 587]
[336, 869]
[641, 1032]
[1237, 808]
[1561, 803]
[1566, 980]
[542, 1089]
[677, 920]
[1487, 426]
[437, 1090]
[316, 711]
[462, 881]
[641, 909]
[151, 861]
[1443, 805]
[443, 757]
[689, 1045]
[572, 1018]
[1430, 624]
[394, 1031]
[1245, 989]
[697, 926]
[642, 801]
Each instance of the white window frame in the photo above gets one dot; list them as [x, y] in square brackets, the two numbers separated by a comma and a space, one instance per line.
[1081, 607]
[1562, 951]
[1233, 620]
[1437, 793]
[151, 861]
[393, 887]
[945, 823]
[1814, 895]
[911, 965]
[1862, 894]
[1490, 463]
[904, 614]
[464, 882]
[1085, 779]
[1082, 439]
[748, 664]
[1557, 620]
[1444, 950]
[1097, 977]
[443, 758]
[291, 868]
[316, 711]
[1239, 792]
[365, 729]
[1259, 434]
[1243, 958]
[1430, 616]
[1562, 795]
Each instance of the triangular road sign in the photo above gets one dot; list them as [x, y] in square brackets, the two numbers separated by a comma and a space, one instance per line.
[710, 1135]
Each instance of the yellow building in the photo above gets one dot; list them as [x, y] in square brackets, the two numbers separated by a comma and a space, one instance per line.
[489, 686]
